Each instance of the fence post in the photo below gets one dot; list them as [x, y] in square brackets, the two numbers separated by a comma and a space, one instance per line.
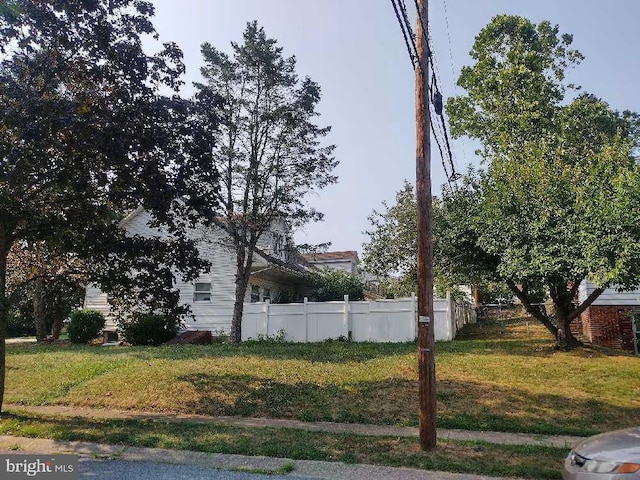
[266, 320]
[412, 316]
[306, 319]
[347, 328]
[451, 317]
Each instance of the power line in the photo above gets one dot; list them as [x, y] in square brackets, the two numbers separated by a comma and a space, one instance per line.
[400, 10]
[407, 25]
[453, 69]
[411, 52]
[448, 28]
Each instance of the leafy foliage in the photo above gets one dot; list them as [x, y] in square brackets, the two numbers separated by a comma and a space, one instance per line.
[558, 202]
[86, 136]
[43, 287]
[327, 285]
[149, 329]
[269, 149]
[84, 325]
[391, 250]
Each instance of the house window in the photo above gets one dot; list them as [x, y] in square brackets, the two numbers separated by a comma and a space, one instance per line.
[255, 294]
[278, 244]
[202, 292]
[266, 294]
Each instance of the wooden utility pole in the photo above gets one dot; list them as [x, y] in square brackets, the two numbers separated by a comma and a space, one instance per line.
[426, 354]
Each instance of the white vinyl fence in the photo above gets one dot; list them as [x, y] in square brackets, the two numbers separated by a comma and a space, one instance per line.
[368, 321]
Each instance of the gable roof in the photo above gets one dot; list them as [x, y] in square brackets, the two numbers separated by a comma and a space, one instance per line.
[331, 256]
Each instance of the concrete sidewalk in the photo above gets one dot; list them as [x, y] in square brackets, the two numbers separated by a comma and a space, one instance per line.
[301, 468]
[503, 438]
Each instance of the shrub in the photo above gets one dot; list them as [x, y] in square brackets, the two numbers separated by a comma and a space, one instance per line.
[149, 329]
[19, 325]
[330, 285]
[84, 325]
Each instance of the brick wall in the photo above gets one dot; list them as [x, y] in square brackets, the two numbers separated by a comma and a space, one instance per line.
[608, 326]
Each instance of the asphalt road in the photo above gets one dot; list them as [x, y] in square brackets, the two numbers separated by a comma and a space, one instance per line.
[91, 469]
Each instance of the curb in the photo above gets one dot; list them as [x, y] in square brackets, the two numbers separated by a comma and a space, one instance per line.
[302, 468]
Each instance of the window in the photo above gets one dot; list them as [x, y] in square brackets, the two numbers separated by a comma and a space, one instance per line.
[278, 244]
[202, 292]
[255, 294]
[266, 294]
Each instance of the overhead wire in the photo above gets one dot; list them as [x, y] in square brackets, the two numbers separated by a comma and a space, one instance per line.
[412, 36]
[412, 53]
[452, 63]
[439, 131]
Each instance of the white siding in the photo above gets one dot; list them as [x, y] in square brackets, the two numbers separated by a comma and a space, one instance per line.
[610, 297]
[214, 246]
[96, 300]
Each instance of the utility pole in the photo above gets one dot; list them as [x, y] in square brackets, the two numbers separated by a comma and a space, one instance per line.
[426, 354]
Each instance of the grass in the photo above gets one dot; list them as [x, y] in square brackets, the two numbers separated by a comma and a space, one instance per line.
[498, 375]
[456, 456]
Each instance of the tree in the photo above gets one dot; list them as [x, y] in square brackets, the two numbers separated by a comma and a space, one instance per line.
[558, 202]
[269, 149]
[84, 135]
[44, 287]
[391, 250]
[328, 285]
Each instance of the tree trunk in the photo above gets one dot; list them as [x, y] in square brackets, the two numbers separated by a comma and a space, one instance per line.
[39, 309]
[534, 310]
[5, 245]
[564, 338]
[56, 326]
[243, 271]
[475, 291]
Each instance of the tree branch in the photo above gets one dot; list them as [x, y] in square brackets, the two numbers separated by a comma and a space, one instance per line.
[535, 312]
[584, 305]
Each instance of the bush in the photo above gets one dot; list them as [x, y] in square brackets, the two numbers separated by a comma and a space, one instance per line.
[84, 325]
[149, 329]
[20, 326]
[328, 285]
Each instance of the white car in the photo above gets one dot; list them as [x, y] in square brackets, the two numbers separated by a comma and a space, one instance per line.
[608, 456]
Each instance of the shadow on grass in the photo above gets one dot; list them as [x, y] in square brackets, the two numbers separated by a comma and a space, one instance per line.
[464, 405]
[330, 351]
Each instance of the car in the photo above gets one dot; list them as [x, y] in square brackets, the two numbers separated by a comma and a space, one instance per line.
[608, 456]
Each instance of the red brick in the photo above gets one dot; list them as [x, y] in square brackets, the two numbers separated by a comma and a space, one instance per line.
[607, 326]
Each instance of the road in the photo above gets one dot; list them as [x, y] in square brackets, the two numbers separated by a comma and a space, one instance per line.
[91, 469]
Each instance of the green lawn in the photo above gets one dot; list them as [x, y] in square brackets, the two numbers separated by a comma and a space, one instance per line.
[464, 457]
[498, 376]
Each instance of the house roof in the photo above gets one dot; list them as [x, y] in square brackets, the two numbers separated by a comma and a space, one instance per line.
[330, 256]
[293, 262]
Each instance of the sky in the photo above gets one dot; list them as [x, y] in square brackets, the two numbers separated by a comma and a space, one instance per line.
[355, 51]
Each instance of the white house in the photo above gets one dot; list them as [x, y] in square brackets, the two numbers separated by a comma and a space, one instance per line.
[211, 296]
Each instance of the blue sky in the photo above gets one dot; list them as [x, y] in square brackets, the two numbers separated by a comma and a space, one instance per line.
[354, 50]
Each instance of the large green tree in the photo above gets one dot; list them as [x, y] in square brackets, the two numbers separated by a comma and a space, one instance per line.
[84, 134]
[269, 149]
[558, 202]
[390, 252]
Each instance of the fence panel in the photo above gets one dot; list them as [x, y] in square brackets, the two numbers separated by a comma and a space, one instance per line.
[369, 321]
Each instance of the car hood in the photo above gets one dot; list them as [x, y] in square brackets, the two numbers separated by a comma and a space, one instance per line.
[619, 446]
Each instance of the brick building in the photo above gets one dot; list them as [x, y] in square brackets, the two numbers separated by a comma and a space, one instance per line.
[609, 321]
